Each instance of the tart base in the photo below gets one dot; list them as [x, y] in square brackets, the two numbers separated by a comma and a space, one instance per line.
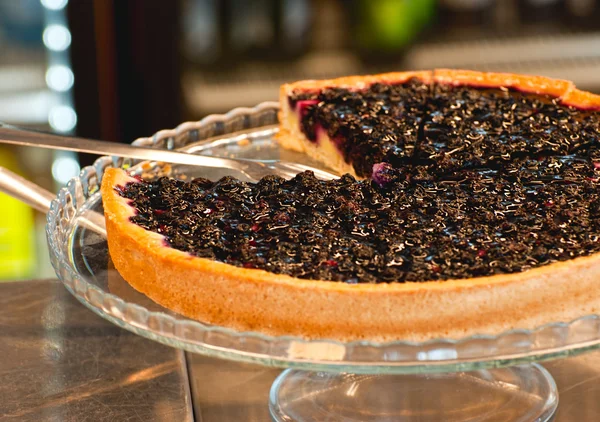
[324, 151]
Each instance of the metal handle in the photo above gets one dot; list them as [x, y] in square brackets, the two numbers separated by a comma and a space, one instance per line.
[25, 191]
[25, 137]
[254, 170]
[40, 199]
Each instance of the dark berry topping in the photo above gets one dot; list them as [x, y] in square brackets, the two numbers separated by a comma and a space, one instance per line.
[452, 126]
[368, 126]
[408, 227]
[465, 182]
[383, 173]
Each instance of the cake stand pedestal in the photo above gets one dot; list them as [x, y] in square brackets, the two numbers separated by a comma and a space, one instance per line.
[521, 393]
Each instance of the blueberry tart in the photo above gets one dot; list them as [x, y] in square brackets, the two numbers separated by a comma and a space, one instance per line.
[469, 203]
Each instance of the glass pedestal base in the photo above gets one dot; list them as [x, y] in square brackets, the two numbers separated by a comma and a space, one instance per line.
[521, 393]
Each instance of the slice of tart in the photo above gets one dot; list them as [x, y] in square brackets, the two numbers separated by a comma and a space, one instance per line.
[453, 119]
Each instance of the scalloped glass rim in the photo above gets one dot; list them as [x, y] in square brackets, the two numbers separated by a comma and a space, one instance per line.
[436, 355]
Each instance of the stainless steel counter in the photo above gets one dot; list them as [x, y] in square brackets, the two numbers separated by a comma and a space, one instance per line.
[60, 362]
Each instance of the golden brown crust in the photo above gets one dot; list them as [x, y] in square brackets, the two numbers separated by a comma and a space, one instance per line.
[527, 83]
[290, 137]
[249, 299]
[581, 99]
[355, 82]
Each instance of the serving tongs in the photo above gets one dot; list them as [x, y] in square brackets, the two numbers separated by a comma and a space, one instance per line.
[40, 199]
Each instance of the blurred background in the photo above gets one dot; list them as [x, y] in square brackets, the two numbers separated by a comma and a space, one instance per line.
[122, 69]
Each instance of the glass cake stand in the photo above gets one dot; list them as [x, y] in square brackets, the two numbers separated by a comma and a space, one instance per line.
[479, 378]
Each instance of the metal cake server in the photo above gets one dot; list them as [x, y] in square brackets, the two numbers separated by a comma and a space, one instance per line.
[254, 170]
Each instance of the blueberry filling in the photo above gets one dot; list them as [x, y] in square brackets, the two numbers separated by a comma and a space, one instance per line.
[453, 127]
[409, 224]
[465, 182]
[378, 124]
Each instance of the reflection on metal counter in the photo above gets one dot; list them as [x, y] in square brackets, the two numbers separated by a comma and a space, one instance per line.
[60, 362]
[232, 391]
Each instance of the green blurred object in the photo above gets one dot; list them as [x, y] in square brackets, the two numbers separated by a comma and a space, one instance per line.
[427, 11]
[17, 245]
[389, 27]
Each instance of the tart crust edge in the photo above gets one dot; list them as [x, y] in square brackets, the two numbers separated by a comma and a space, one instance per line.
[275, 304]
[526, 83]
